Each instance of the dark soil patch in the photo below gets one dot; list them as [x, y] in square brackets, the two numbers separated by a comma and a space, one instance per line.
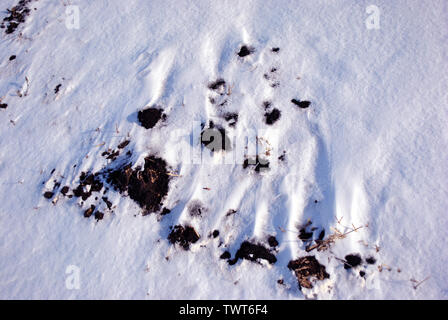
[184, 236]
[371, 260]
[253, 252]
[107, 202]
[276, 49]
[48, 195]
[123, 144]
[272, 241]
[65, 190]
[362, 273]
[304, 235]
[17, 15]
[3, 106]
[99, 215]
[259, 163]
[89, 183]
[218, 85]
[245, 51]
[301, 104]
[273, 116]
[267, 105]
[13, 57]
[196, 208]
[307, 269]
[148, 118]
[231, 118]
[58, 87]
[215, 233]
[215, 139]
[352, 261]
[165, 211]
[146, 187]
[88, 213]
[225, 255]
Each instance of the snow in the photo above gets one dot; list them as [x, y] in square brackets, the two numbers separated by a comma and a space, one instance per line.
[372, 147]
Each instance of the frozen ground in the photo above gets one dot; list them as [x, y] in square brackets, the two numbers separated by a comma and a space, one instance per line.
[369, 153]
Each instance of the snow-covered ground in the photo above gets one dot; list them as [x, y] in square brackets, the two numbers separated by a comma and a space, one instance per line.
[370, 153]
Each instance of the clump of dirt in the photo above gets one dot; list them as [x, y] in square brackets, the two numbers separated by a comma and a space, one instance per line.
[253, 252]
[272, 241]
[245, 51]
[306, 270]
[218, 86]
[123, 144]
[17, 15]
[3, 106]
[48, 195]
[275, 49]
[301, 104]
[148, 118]
[58, 87]
[88, 213]
[231, 118]
[370, 260]
[89, 183]
[146, 187]
[13, 57]
[196, 208]
[259, 163]
[65, 190]
[215, 233]
[304, 235]
[352, 261]
[225, 255]
[273, 116]
[215, 139]
[184, 236]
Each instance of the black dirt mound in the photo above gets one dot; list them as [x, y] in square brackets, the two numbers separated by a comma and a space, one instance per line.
[253, 252]
[48, 195]
[13, 57]
[273, 116]
[306, 269]
[88, 212]
[301, 104]
[272, 241]
[245, 51]
[352, 261]
[146, 187]
[184, 236]
[215, 139]
[276, 49]
[259, 163]
[3, 106]
[304, 235]
[148, 118]
[17, 15]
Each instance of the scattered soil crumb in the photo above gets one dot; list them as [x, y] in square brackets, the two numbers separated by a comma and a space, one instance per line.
[371, 260]
[13, 57]
[301, 104]
[273, 116]
[184, 236]
[218, 86]
[165, 211]
[272, 241]
[225, 255]
[362, 273]
[3, 106]
[65, 190]
[17, 15]
[307, 269]
[88, 213]
[352, 261]
[253, 252]
[245, 51]
[148, 118]
[275, 49]
[99, 215]
[48, 195]
[304, 235]
[58, 87]
[123, 144]
[230, 212]
[215, 233]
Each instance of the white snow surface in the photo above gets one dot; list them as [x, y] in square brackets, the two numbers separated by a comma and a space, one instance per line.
[372, 148]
